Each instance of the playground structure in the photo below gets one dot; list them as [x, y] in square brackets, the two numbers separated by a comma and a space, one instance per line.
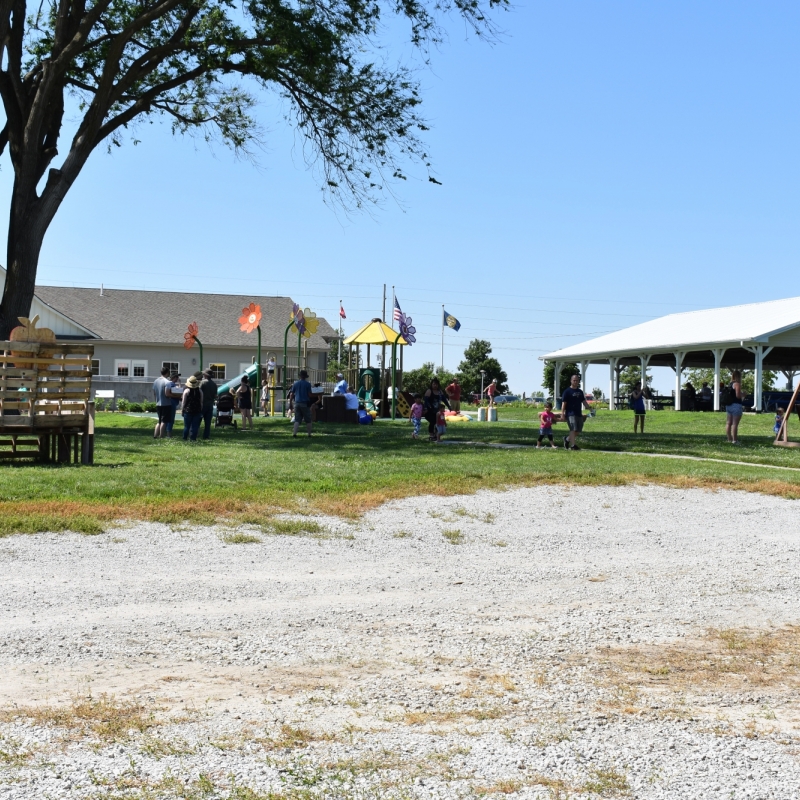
[45, 410]
[373, 387]
[372, 382]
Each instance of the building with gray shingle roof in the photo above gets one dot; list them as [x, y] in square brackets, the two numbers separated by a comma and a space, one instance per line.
[135, 332]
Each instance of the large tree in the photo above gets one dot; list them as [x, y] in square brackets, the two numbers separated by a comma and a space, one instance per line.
[478, 357]
[107, 64]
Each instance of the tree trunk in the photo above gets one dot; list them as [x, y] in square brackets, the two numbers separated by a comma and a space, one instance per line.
[26, 228]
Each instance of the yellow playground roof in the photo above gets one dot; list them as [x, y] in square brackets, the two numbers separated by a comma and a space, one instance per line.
[375, 332]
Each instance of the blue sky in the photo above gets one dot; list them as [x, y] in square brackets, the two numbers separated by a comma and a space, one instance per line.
[603, 164]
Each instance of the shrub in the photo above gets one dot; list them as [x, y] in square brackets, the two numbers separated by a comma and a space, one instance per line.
[123, 404]
[149, 406]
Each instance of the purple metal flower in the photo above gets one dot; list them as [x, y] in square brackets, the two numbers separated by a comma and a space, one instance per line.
[407, 329]
[299, 318]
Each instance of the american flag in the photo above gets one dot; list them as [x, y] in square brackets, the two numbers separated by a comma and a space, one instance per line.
[397, 311]
[341, 312]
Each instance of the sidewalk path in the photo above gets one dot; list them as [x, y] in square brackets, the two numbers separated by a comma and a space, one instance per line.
[501, 446]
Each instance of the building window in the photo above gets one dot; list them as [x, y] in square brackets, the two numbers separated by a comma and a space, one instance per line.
[95, 366]
[139, 369]
[122, 368]
[217, 371]
[172, 366]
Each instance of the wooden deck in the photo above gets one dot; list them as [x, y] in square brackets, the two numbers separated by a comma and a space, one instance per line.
[45, 410]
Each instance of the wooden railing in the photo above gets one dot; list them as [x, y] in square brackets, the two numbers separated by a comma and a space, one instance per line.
[45, 410]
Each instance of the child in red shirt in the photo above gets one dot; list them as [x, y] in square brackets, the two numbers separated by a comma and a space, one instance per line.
[441, 424]
[546, 420]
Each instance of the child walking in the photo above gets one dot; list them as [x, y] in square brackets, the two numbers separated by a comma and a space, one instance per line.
[778, 420]
[546, 420]
[441, 424]
[417, 410]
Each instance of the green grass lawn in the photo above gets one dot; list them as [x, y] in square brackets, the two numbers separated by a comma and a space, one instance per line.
[347, 469]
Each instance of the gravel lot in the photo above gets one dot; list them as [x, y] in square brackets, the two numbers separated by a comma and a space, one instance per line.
[538, 643]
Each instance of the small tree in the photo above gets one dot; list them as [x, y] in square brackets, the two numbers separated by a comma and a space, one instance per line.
[629, 377]
[477, 358]
[335, 366]
[597, 393]
[418, 381]
[567, 371]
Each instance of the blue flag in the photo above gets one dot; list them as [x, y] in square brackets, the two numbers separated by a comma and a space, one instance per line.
[451, 322]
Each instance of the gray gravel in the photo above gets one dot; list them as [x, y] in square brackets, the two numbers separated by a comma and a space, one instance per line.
[540, 643]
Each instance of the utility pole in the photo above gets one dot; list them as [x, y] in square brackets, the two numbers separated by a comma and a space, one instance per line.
[384, 393]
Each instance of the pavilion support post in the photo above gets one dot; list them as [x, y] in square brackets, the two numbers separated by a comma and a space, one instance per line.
[584, 367]
[758, 393]
[556, 386]
[644, 361]
[678, 372]
[612, 368]
[719, 352]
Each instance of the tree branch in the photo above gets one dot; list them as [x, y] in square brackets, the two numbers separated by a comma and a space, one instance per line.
[144, 102]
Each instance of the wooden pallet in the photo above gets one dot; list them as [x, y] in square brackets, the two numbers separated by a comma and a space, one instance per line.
[45, 410]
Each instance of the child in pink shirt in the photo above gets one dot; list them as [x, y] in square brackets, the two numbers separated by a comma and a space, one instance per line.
[546, 420]
[417, 411]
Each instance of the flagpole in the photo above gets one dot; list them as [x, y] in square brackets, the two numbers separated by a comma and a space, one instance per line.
[394, 300]
[443, 337]
[340, 333]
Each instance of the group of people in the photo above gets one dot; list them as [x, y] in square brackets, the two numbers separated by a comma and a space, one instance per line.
[431, 406]
[196, 401]
[573, 401]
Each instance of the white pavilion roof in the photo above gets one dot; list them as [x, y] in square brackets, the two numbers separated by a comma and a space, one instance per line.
[753, 323]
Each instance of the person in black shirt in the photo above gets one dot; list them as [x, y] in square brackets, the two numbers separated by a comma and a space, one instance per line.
[572, 402]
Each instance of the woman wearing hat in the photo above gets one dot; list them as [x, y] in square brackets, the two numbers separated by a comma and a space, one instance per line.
[192, 409]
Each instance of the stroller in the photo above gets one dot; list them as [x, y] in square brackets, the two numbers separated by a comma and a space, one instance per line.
[225, 406]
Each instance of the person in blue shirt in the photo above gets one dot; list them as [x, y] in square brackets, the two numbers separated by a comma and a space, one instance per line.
[301, 394]
[572, 402]
[341, 386]
[637, 404]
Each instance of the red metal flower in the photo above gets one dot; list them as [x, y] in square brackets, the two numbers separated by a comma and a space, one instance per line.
[251, 316]
[190, 336]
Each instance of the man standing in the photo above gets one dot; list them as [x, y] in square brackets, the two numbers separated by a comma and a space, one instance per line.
[163, 403]
[454, 396]
[572, 402]
[341, 385]
[174, 393]
[301, 394]
[209, 391]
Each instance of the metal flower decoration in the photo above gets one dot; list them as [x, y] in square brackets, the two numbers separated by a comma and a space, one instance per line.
[305, 321]
[251, 316]
[190, 336]
[407, 329]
